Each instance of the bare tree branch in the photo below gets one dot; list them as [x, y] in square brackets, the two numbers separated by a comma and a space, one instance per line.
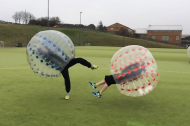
[15, 17]
[23, 16]
[19, 16]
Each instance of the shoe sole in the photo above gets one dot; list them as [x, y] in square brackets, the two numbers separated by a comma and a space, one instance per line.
[66, 98]
[91, 85]
[96, 96]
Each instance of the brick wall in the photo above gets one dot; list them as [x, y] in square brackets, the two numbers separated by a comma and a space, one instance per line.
[171, 35]
[116, 27]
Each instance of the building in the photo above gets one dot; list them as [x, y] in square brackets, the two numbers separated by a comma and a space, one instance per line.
[141, 32]
[117, 26]
[185, 40]
[185, 36]
[170, 33]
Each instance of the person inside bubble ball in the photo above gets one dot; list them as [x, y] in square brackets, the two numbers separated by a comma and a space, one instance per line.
[50, 56]
[65, 72]
[136, 71]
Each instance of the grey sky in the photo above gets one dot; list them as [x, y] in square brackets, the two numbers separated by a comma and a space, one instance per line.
[132, 13]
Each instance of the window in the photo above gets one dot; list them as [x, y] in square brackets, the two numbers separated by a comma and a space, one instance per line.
[153, 37]
[177, 37]
[163, 37]
[111, 28]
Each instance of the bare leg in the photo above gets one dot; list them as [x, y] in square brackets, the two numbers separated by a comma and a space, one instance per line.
[100, 83]
[104, 88]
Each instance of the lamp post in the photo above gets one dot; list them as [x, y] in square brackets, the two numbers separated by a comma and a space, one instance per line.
[80, 28]
[48, 16]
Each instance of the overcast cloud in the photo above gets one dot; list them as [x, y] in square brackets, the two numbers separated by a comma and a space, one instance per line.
[132, 13]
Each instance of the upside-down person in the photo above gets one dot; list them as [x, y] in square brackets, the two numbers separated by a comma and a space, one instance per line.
[135, 71]
[65, 72]
[51, 56]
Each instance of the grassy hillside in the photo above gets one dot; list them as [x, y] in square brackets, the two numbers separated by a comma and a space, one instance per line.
[11, 34]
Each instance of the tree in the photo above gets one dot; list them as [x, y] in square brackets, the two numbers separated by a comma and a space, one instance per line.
[29, 17]
[44, 20]
[23, 16]
[100, 26]
[91, 26]
[19, 16]
[105, 28]
[34, 22]
[26, 17]
[58, 21]
[54, 21]
[123, 32]
[15, 17]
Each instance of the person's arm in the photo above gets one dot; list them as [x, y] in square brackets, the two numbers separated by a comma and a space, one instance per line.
[53, 56]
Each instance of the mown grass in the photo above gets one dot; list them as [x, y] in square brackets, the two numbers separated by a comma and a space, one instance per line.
[27, 99]
[12, 34]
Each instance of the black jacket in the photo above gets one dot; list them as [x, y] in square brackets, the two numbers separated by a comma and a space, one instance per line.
[131, 72]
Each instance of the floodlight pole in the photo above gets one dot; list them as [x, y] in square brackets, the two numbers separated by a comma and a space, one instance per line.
[48, 16]
[80, 28]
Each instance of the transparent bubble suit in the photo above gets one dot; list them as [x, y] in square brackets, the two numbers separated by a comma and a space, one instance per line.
[48, 52]
[134, 70]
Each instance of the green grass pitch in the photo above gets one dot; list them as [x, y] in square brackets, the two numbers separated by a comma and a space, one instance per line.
[27, 99]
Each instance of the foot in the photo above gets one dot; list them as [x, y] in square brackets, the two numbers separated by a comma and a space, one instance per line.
[97, 94]
[94, 67]
[67, 97]
[93, 85]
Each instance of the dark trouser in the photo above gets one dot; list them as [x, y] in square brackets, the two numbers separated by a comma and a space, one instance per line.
[111, 79]
[65, 71]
